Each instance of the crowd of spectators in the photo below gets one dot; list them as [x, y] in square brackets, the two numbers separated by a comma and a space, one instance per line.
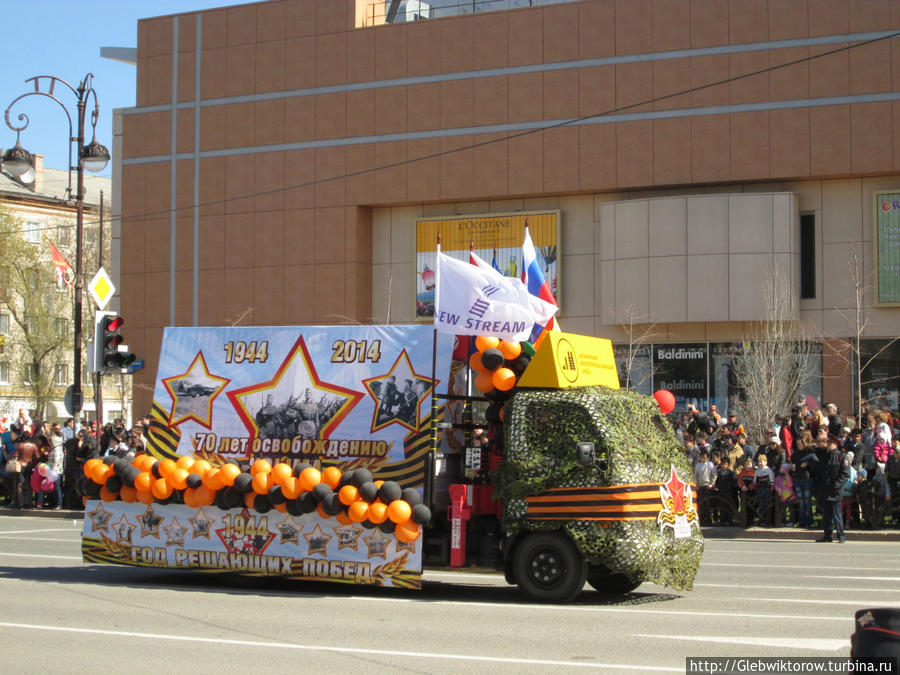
[808, 463]
[41, 460]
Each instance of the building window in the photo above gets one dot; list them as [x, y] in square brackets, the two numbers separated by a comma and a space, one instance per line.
[61, 376]
[4, 372]
[62, 327]
[4, 323]
[807, 256]
[29, 375]
[63, 235]
[33, 232]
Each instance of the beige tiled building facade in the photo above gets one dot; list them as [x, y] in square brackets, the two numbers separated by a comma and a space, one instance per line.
[281, 152]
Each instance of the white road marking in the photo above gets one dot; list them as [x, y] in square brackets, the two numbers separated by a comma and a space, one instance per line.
[42, 539]
[856, 589]
[894, 579]
[346, 650]
[790, 567]
[881, 603]
[54, 529]
[35, 555]
[820, 644]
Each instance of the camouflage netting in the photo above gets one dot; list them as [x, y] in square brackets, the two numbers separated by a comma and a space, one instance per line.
[642, 449]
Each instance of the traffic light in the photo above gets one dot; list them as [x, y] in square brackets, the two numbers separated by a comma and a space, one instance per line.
[110, 355]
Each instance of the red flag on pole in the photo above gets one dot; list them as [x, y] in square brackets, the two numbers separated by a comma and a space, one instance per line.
[65, 275]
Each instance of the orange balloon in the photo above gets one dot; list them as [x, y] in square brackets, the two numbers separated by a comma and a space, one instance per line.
[248, 499]
[260, 483]
[101, 472]
[510, 350]
[89, 467]
[178, 478]
[205, 496]
[504, 379]
[484, 383]
[291, 488]
[378, 513]
[106, 495]
[310, 478]
[343, 518]
[143, 482]
[147, 462]
[189, 498]
[358, 511]
[331, 476]
[281, 507]
[228, 473]
[281, 471]
[161, 488]
[476, 364]
[321, 511]
[379, 483]
[128, 494]
[166, 467]
[261, 466]
[200, 467]
[185, 462]
[399, 511]
[407, 532]
[483, 342]
[213, 480]
[145, 497]
[348, 495]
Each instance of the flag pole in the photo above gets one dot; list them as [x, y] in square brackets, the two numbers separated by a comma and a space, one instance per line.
[428, 483]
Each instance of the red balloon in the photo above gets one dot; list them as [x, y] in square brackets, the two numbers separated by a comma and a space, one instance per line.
[666, 400]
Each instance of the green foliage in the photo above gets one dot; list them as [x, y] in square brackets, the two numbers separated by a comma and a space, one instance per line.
[541, 433]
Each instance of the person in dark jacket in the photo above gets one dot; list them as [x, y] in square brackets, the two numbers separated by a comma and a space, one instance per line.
[805, 468]
[835, 472]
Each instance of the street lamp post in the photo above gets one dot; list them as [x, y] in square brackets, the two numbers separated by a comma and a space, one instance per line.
[94, 157]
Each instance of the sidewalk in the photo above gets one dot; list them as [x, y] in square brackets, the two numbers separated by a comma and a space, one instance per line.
[716, 532]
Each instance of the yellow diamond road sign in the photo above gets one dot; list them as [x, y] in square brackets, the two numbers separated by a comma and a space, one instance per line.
[101, 289]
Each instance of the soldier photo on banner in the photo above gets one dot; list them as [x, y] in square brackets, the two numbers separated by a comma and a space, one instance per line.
[300, 416]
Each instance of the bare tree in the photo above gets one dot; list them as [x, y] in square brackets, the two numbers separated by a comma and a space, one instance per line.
[640, 333]
[778, 357]
[861, 282]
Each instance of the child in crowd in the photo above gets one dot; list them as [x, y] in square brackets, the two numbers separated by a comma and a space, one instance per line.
[784, 490]
[764, 479]
[748, 488]
[727, 487]
[848, 493]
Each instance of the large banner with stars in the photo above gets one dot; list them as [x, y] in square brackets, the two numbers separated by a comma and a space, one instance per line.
[239, 540]
[348, 396]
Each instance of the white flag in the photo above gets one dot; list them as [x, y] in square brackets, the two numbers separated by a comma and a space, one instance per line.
[478, 300]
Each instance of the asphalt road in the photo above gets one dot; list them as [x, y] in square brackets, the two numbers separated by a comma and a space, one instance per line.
[752, 598]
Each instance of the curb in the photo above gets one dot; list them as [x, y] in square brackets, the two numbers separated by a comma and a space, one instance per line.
[43, 513]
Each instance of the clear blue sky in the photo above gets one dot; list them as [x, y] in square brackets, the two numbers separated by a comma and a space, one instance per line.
[63, 38]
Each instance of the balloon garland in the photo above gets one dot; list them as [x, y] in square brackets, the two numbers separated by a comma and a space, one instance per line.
[350, 496]
[499, 364]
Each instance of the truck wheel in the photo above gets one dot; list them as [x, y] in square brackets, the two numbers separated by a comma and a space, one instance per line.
[604, 581]
[549, 568]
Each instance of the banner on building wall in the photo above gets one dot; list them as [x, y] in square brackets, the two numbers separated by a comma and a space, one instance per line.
[887, 248]
[496, 238]
[353, 396]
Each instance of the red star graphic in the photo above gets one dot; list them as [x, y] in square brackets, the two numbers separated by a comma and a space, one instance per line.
[675, 486]
[199, 363]
[403, 358]
[243, 543]
[237, 395]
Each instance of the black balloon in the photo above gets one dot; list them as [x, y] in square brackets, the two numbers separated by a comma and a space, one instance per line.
[232, 498]
[387, 526]
[243, 483]
[114, 484]
[155, 470]
[421, 514]
[368, 491]
[109, 460]
[300, 468]
[332, 505]
[194, 480]
[130, 475]
[492, 414]
[220, 500]
[411, 496]
[389, 491]
[320, 491]
[293, 507]
[120, 466]
[306, 503]
[346, 478]
[519, 364]
[91, 489]
[262, 504]
[492, 358]
[361, 477]
[276, 496]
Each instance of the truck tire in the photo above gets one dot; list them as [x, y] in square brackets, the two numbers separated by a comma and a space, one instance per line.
[548, 567]
[609, 583]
